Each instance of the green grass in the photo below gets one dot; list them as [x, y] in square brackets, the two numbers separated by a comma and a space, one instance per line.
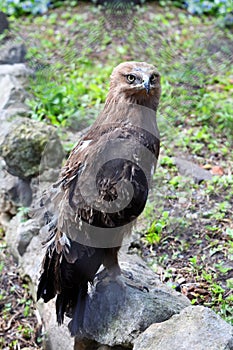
[187, 226]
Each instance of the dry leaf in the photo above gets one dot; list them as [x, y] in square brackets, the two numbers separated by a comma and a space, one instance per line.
[217, 170]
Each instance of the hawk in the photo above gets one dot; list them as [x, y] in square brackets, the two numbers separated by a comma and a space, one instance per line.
[102, 189]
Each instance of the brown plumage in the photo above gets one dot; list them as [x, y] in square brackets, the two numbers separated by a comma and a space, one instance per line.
[102, 189]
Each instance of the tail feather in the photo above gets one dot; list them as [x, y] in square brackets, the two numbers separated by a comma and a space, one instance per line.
[78, 311]
[68, 278]
[47, 288]
[61, 305]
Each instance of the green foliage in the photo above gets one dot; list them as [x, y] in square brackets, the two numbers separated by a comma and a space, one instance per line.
[20, 7]
[212, 7]
[167, 161]
[27, 307]
[1, 268]
[154, 233]
[31, 7]
[200, 7]
[25, 331]
[35, 7]
[73, 99]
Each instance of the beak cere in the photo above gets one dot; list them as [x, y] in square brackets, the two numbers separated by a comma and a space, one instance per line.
[147, 86]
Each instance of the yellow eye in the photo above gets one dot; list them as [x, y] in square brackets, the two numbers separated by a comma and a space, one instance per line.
[131, 78]
[153, 78]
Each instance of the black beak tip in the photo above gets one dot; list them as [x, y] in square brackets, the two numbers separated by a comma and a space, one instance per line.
[147, 87]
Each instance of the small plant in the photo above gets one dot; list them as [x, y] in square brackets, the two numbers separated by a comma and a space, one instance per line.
[154, 233]
[23, 212]
[14, 344]
[212, 7]
[1, 266]
[6, 310]
[200, 7]
[20, 7]
[167, 161]
[25, 331]
[73, 99]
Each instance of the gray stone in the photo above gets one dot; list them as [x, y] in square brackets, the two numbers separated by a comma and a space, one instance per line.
[90, 345]
[116, 315]
[191, 169]
[14, 193]
[30, 148]
[21, 193]
[18, 70]
[4, 220]
[195, 328]
[30, 262]
[12, 53]
[4, 24]
[12, 92]
[57, 337]
[26, 231]
[9, 118]
[19, 234]
[228, 20]
[7, 206]
[11, 236]
[5, 125]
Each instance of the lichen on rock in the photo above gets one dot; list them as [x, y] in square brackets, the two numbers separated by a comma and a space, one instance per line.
[31, 147]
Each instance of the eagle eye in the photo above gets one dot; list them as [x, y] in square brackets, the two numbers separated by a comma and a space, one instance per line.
[131, 78]
[153, 78]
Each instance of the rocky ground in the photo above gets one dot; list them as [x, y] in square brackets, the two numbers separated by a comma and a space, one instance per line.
[186, 232]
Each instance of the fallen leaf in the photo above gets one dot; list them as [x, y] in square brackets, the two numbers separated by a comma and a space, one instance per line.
[217, 170]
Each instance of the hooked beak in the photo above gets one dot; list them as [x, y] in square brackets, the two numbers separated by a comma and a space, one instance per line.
[147, 86]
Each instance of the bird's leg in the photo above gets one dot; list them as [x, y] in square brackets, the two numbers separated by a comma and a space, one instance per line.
[112, 269]
[111, 262]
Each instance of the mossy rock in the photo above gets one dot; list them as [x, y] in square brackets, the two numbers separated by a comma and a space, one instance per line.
[31, 147]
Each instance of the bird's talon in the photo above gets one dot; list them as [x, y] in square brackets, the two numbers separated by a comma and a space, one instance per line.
[128, 274]
[139, 287]
[102, 275]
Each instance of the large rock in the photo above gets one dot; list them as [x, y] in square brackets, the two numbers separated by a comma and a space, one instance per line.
[14, 193]
[30, 147]
[12, 92]
[4, 24]
[17, 70]
[12, 53]
[19, 234]
[191, 169]
[116, 315]
[195, 328]
[58, 337]
[5, 125]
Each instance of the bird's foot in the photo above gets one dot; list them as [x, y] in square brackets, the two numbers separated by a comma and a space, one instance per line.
[111, 275]
[132, 283]
[116, 275]
[102, 275]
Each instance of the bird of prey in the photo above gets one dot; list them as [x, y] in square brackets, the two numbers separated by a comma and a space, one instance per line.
[101, 190]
